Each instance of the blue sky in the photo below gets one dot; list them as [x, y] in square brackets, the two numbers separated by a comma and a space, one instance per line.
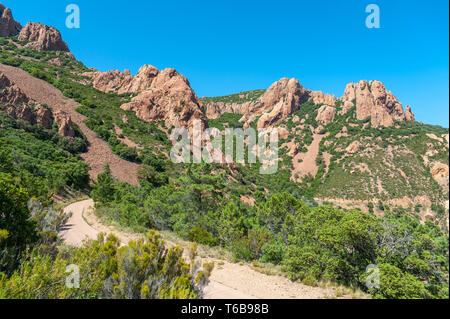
[225, 47]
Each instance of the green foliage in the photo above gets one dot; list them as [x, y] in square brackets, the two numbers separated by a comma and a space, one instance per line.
[103, 190]
[227, 120]
[18, 230]
[396, 284]
[141, 270]
[200, 235]
[41, 160]
[235, 98]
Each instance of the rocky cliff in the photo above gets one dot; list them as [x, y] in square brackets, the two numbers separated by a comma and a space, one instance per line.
[42, 38]
[8, 26]
[373, 100]
[169, 98]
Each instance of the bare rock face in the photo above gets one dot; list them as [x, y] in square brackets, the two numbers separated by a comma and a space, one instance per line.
[44, 117]
[354, 147]
[326, 114]
[8, 26]
[42, 38]
[282, 99]
[319, 98]
[215, 110]
[116, 81]
[16, 104]
[409, 115]
[169, 98]
[372, 99]
[10, 93]
[440, 173]
[65, 124]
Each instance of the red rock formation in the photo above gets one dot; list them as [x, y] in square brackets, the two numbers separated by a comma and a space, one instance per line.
[65, 125]
[169, 98]
[8, 26]
[326, 114]
[372, 99]
[18, 105]
[42, 38]
[10, 93]
[116, 81]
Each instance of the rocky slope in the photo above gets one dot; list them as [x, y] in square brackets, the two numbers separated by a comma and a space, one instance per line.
[8, 26]
[99, 153]
[18, 105]
[42, 38]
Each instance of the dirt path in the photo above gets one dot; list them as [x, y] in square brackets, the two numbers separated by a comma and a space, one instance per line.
[228, 280]
[99, 153]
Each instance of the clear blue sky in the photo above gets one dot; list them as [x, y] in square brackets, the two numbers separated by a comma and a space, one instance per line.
[225, 47]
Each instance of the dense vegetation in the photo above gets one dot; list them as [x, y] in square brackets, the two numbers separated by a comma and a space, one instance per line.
[40, 160]
[312, 244]
[204, 203]
[242, 97]
[34, 265]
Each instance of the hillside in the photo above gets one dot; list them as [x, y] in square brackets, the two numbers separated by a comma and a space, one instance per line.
[359, 182]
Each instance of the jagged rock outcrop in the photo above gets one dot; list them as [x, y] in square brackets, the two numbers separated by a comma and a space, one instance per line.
[15, 103]
[372, 99]
[65, 124]
[116, 81]
[409, 115]
[169, 98]
[319, 98]
[282, 99]
[8, 26]
[42, 38]
[326, 114]
[10, 93]
[44, 116]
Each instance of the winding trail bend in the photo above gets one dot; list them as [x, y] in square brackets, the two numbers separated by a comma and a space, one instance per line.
[227, 281]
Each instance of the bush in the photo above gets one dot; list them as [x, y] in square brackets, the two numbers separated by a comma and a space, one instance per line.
[200, 235]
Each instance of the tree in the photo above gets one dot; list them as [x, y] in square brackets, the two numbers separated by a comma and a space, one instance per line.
[17, 230]
[396, 284]
[103, 190]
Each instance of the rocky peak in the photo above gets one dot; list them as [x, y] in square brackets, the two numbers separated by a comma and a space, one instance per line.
[8, 26]
[42, 38]
[282, 99]
[169, 98]
[372, 99]
[116, 81]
